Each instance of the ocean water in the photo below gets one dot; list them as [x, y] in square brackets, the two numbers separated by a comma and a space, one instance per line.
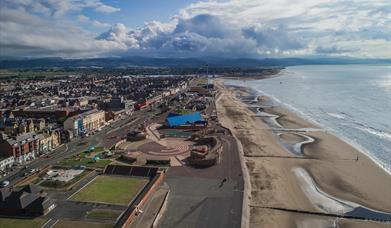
[352, 101]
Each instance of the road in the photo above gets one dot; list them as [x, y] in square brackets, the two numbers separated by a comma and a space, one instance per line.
[107, 137]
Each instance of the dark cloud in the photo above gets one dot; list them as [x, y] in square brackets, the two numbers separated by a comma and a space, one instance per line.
[335, 50]
[273, 38]
[204, 25]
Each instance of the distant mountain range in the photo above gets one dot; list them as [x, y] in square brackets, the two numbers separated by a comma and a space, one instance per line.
[128, 62]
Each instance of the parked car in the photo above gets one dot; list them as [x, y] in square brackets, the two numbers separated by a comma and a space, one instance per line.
[4, 184]
[33, 170]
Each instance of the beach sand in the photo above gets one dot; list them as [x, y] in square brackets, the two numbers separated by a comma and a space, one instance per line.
[332, 165]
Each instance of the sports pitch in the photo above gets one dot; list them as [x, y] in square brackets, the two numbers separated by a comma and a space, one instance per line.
[110, 190]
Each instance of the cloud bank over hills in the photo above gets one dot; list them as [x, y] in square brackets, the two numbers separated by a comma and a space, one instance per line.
[245, 28]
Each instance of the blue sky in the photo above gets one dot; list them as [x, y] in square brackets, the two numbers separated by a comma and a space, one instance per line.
[134, 13]
[190, 28]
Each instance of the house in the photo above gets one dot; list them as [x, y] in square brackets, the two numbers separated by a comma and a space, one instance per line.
[26, 201]
[22, 147]
[85, 122]
[6, 162]
[49, 140]
[185, 120]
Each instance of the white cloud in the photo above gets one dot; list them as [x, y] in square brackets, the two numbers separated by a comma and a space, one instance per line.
[245, 28]
[106, 9]
[24, 34]
[95, 23]
[273, 28]
[59, 8]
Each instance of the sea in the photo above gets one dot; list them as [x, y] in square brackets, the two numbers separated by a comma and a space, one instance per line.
[351, 101]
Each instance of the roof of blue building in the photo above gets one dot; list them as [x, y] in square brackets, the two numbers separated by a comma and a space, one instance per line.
[175, 119]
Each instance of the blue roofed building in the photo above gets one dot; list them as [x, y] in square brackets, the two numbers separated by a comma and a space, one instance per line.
[181, 120]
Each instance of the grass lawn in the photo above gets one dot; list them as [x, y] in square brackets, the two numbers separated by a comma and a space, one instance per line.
[69, 162]
[103, 214]
[73, 224]
[22, 223]
[96, 150]
[110, 189]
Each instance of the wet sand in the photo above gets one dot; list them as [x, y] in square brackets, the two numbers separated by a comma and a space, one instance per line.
[333, 166]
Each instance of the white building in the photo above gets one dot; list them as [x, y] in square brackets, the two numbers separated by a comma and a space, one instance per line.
[6, 162]
[85, 122]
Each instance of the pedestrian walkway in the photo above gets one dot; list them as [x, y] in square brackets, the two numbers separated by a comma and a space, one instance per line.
[153, 210]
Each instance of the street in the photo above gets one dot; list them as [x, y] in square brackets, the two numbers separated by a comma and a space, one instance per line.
[104, 138]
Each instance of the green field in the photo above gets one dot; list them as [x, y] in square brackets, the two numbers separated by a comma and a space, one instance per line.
[73, 224]
[70, 162]
[103, 214]
[110, 189]
[22, 223]
[5, 73]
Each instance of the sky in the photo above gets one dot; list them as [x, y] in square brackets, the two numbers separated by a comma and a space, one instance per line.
[190, 28]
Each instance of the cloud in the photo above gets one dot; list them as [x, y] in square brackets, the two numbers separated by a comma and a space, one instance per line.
[106, 9]
[232, 28]
[333, 49]
[273, 38]
[59, 8]
[24, 34]
[118, 34]
[95, 23]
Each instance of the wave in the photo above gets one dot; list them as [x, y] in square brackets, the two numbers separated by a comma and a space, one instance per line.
[295, 110]
[374, 131]
[378, 161]
[336, 115]
[348, 121]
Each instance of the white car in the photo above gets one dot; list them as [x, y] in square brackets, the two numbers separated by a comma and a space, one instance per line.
[4, 184]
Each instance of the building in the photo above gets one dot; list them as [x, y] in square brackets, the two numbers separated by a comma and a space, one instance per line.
[144, 103]
[6, 162]
[82, 102]
[25, 201]
[186, 120]
[22, 147]
[85, 122]
[48, 141]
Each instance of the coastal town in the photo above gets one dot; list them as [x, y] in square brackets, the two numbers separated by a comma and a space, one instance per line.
[67, 142]
[195, 114]
[119, 149]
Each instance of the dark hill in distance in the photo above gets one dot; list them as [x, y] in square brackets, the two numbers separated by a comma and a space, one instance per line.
[129, 62]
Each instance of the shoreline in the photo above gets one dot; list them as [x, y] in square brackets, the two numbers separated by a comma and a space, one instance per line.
[286, 109]
[333, 176]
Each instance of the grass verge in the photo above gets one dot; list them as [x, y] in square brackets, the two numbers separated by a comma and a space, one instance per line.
[73, 224]
[88, 162]
[22, 223]
[103, 214]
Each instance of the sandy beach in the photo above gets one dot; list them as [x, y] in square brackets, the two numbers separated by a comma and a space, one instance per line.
[330, 176]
